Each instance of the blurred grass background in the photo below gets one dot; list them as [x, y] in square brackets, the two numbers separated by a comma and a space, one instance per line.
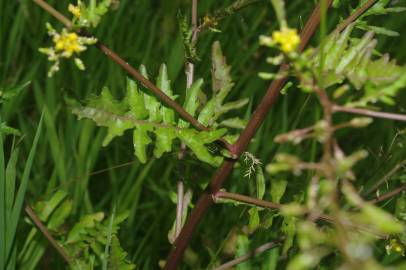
[70, 155]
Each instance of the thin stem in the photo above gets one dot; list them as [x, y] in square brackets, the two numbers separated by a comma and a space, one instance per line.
[135, 74]
[354, 16]
[385, 178]
[258, 202]
[384, 115]
[389, 195]
[245, 257]
[222, 13]
[34, 218]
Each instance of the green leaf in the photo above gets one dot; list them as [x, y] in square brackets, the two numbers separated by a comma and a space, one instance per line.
[289, 229]
[210, 136]
[278, 188]
[381, 220]
[164, 139]
[234, 123]
[86, 222]
[253, 219]
[52, 204]
[190, 138]
[90, 15]
[379, 30]
[135, 100]
[191, 102]
[260, 183]
[118, 257]
[20, 197]
[140, 140]
[59, 216]
[221, 78]
[6, 130]
[243, 247]
[147, 116]
[206, 116]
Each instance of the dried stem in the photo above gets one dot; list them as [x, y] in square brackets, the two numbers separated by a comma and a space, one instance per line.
[384, 115]
[34, 218]
[245, 257]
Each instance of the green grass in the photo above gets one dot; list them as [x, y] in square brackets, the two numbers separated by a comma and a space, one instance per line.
[68, 151]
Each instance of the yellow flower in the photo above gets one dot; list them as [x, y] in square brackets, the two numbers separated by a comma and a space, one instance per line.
[68, 43]
[287, 39]
[75, 10]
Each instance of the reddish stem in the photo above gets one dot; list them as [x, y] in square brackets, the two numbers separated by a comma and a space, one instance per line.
[205, 200]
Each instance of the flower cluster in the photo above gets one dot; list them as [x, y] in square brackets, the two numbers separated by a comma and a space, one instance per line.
[75, 10]
[66, 44]
[286, 39]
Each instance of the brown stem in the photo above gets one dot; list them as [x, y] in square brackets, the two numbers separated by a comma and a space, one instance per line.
[34, 218]
[385, 178]
[385, 115]
[245, 257]
[389, 194]
[205, 200]
[135, 74]
[258, 202]
[355, 15]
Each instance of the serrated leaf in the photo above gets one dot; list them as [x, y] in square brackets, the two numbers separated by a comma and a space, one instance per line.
[164, 139]
[135, 100]
[145, 114]
[86, 222]
[207, 114]
[234, 123]
[232, 106]
[211, 136]
[221, 78]
[90, 15]
[191, 102]
[141, 140]
[190, 138]
[118, 257]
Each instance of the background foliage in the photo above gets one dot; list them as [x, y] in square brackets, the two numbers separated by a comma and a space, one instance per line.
[70, 156]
